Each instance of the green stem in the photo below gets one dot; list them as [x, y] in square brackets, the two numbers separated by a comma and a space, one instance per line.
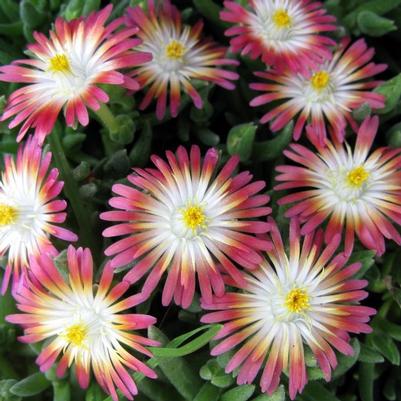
[107, 118]
[81, 210]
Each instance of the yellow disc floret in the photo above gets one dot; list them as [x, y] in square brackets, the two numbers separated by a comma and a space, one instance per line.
[8, 214]
[59, 63]
[320, 80]
[175, 50]
[76, 334]
[357, 176]
[194, 217]
[282, 19]
[297, 301]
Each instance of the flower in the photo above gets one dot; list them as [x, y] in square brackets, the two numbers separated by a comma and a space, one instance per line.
[284, 33]
[180, 55]
[182, 218]
[329, 92]
[350, 189]
[86, 329]
[29, 209]
[65, 70]
[306, 298]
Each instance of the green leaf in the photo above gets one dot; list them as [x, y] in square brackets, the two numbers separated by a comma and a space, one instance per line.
[5, 394]
[157, 391]
[347, 362]
[240, 393]
[273, 148]
[278, 395]
[94, 393]
[392, 90]
[208, 137]
[315, 391]
[61, 391]
[370, 355]
[366, 380]
[386, 346]
[30, 15]
[210, 10]
[373, 25]
[139, 154]
[31, 385]
[387, 327]
[240, 140]
[208, 392]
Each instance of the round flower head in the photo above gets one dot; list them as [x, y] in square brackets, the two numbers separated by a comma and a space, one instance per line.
[183, 217]
[306, 298]
[350, 189]
[180, 55]
[284, 33]
[28, 208]
[329, 92]
[65, 70]
[87, 330]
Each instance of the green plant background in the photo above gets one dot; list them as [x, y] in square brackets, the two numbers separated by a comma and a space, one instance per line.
[92, 159]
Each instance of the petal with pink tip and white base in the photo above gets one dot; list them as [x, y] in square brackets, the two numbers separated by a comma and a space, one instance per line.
[29, 209]
[303, 298]
[189, 219]
[83, 326]
[65, 71]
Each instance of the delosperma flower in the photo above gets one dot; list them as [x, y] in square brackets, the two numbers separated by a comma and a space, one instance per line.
[65, 70]
[82, 325]
[327, 93]
[284, 33]
[29, 209]
[184, 218]
[303, 298]
[180, 56]
[350, 189]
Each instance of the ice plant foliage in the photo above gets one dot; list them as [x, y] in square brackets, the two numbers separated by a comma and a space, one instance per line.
[185, 217]
[326, 93]
[29, 209]
[284, 33]
[82, 325]
[65, 70]
[350, 189]
[180, 55]
[304, 298]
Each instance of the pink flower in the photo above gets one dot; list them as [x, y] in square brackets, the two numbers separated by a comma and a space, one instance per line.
[184, 218]
[303, 298]
[29, 209]
[284, 33]
[86, 329]
[66, 70]
[180, 55]
[349, 188]
[327, 93]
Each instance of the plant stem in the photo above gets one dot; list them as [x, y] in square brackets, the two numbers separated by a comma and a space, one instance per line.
[81, 209]
[107, 118]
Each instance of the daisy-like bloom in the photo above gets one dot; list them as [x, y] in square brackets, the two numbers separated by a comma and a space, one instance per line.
[66, 69]
[329, 92]
[180, 55]
[302, 299]
[186, 217]
[83, 326]
[349, 188]
[29, 210]
[284, 33]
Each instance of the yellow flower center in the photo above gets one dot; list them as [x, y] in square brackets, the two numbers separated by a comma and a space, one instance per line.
[357, 176]
[8, 214]
[60, 63]
[320, 80]
[297, 301]
[175, 50]
[282, 19]
[76, 334]
[194, 217]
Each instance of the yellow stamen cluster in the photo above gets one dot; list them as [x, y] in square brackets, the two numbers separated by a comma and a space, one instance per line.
[320, 80]
[59, 63]
[175, 50]
[297, 301]
[282, 19]
[194, 217]
[76, 334]
[357, 176]
[8, 214]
